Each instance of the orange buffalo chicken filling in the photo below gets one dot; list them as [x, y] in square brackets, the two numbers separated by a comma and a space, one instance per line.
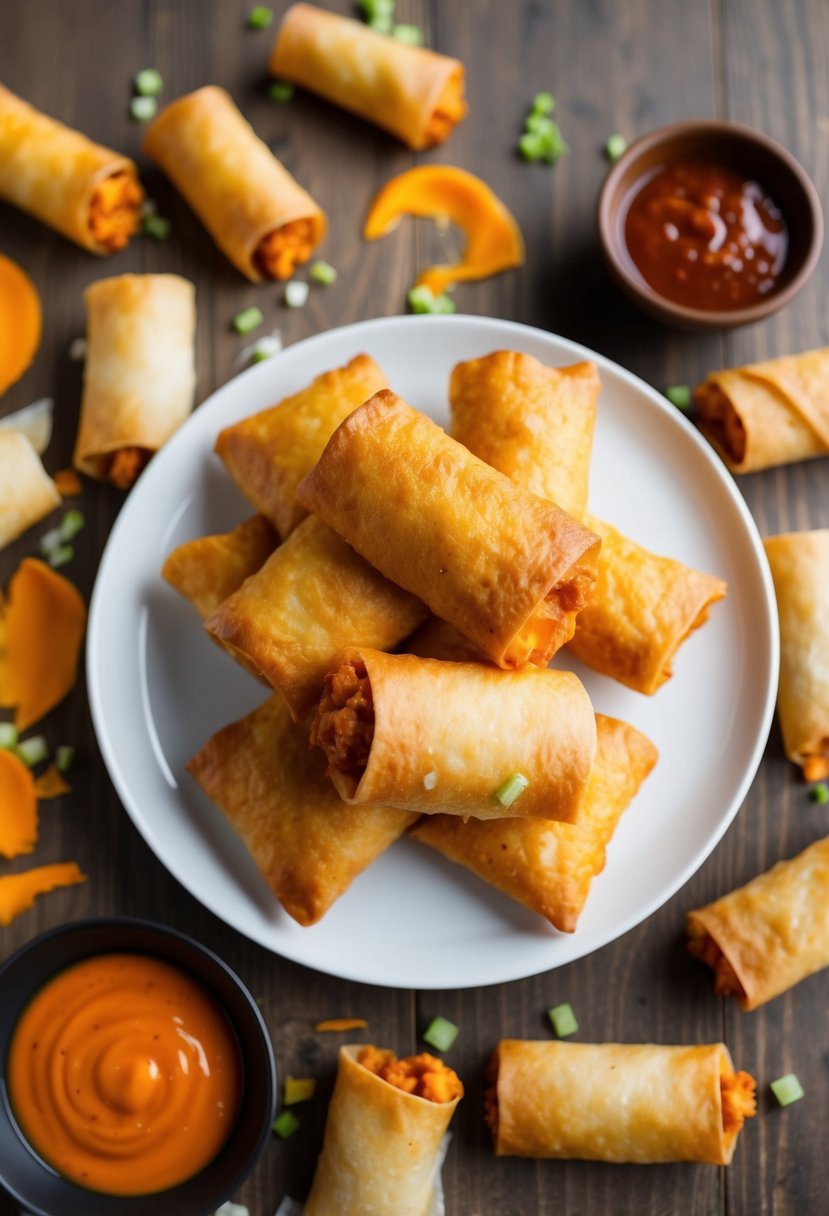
[115, 211]
[280, 252]
[722, 420]
[425, 1076]
[738, 1100]
[344, 725]
[449, 110]
[726, 980]
[124, 465]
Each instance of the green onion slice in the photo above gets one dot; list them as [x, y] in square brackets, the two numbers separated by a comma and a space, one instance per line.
[77, 350]
[410, 35]
[531, 146]
[156, 226]
[50, 541]
[544, 103]
[787, 1089]
[260, 17]
[323, 272]
[563, 1020]
[8, 735]
[298, 1089]
[422, 300]
[143, 109]
[440, 1034]
[377, 8]
[286, 1124]
[615, 147]
[679, 395]
[64, 757]
[820, 793]
[512, 788]
[246, 321]
[383, 23]
[148, 82]
[60, 557]
[32, 750]
[296, 293]
[281, 91]
[71, 524]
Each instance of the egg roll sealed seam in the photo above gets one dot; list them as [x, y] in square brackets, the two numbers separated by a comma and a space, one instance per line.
[414, 93]
[83, 190]
[210, 568]
[258, 215]
[27, 492]
[506, 568]
[767, 936]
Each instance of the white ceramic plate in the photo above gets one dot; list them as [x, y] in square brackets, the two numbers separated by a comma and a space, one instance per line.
[159, 687]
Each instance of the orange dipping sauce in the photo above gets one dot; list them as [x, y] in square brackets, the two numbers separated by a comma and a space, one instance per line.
[124, 1075]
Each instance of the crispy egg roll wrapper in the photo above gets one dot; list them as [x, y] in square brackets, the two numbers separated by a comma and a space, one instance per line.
[268, 454]
[233, 182]
[139, 376]
[443, 737]
[27, 492]
[506, 568]
[767, 936]
[546, 866]
[58, 175]
[210, 568]
[311, 598]
[308, 845]
[620, 1102]
[414, 93]
[767, 414]
[800, 569]
[531, 422]
[381, 1151]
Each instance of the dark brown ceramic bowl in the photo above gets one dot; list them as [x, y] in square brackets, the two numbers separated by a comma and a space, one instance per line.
[750, 153]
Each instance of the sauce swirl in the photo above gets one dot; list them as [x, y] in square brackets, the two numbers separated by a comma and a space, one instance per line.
[124, 1075]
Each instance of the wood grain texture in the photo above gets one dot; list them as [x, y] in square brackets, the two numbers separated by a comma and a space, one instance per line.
[627, 67]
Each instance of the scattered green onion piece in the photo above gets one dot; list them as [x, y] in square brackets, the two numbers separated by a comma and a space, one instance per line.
[544, 103]
[563, 1020]
[285, 1124]
[787, 1089]
[554, 145]
[64, 757]
[615, 147]
[32, 750]
[148, 82]
[540, 124]
[679, 395]
[531, 146]
[260, 17]
[281, 91]
[156, 226]
[444, 305]
[148, 207]
[381, 23]
[512, 788]
[77, 350]
[50, 541]
[298, 1089]
[8, 735]
[440, 1034]
[71, 525]
[246, 321]
[296, 293]
[232, 1209]
[265, 348]
[323, 272]
[59, 557]
[410, 35]
[143, 109]
[377, 8]
[820, 793]
[420, 299]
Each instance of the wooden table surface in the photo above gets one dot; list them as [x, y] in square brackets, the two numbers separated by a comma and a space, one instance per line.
[613, 66]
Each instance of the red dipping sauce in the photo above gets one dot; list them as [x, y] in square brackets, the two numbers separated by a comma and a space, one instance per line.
[704, 236]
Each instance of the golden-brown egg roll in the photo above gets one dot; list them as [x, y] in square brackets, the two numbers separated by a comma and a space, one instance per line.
[210, 568]
[766, 414]
[139, 375]
[549, 866]
[438, 737]
[506, 568]
[27, 492]
[268, 454]
[311, 598]
[382, 1146]
[414, 93]
[308, 845]
[800, 569]
[81, 189]
[257, 214]
[617, 1101]
[767, 936]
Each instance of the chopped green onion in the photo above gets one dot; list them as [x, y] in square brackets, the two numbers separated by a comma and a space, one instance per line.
[148, 82]
[298, 1089]
[64, 757]
[377, 8]
[563, 1020]
[71, 524]
[544, 103]
[787, 1089]
[32, 750]
[246, 321]
[381, 23]
[421, 299]
[410, 35]
[679, 395]
[286, 1124]
[77, 350]
[296, 293]
[59, 557]
[156, 226]
[8, 734]
[265, 348]
[281, 91]
[615, 147]
[323, 272]
[50, 541]
[820, 793]
[512, 788]
[260, 17]
[531, 146]
[148, 207]
[440, 1034]
[540, 124]
[554, 146]
[232, 1209]
[143, 109]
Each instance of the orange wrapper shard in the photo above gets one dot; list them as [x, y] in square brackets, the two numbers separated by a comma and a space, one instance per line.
[20, 322]
[19, 891]
[337, 1025]
[18, 807]
[51, 784]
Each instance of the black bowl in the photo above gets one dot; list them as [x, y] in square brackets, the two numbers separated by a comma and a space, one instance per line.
[35, 1185]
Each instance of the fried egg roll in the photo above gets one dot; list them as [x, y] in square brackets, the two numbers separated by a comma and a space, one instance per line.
[435, 737]
[210, 568]
[27, 492]
[767, 936]
[506, 568]
[767, 414]
[311, 598]
[546, 866]
[84, 191]
[308, 845]
[268, 454]
[415, 94]
[139, 376]
[260, 218]
[619, 1102]
[382, 1147]
[799, 563]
